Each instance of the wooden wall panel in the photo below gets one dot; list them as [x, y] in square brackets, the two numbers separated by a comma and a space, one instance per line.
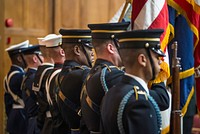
[2, 68]
[35, 14]
[94, 11]
[70, 16]
[66, 14]
[37, 18]
[14, 13]
[31, 18]
[79, 13]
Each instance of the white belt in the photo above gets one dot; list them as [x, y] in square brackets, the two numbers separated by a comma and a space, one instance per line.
[75, 130]
[48, 114]
[17, 106]
[93, 132]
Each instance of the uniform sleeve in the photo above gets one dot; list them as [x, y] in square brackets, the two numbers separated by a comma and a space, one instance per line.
[15, 84]
[140, 118]
[113, 77]
[160, 95]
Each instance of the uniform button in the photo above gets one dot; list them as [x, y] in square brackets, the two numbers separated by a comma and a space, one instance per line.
[151, 115]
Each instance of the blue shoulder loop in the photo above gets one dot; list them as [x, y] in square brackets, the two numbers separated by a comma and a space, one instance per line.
[158, 115]
[123, 104]
[102, 79]
[103, 75]
[121, 110]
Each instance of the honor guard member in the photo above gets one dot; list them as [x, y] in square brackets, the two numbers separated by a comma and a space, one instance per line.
[44, 120]
[79, 57]
[33, 59]
[104, 74]
[53, 43]
[128, 108]
[16, 123]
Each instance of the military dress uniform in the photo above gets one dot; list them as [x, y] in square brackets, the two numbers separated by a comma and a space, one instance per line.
[128, 106]
[17, 120]
[71, 79]
[30, 100]
[96, 86]
[59, 125]
[102, 76]
[44, 120]
[52, 42]
[28, 95]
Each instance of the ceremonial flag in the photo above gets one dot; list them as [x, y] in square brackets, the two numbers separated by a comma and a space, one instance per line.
[184, 36]
[151, 14]
[190, 9]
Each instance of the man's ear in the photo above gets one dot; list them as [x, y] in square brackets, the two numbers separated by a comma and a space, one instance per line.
[62, 52]
[77, 50]
[110, 48]
[142, 60]
[19, 58]
[35, 59]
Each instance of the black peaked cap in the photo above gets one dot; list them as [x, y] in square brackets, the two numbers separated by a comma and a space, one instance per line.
[31, 49]
[72, 36]
[149, 38]
[107, 30]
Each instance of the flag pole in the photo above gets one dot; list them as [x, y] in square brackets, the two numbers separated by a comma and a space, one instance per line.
[124, 10]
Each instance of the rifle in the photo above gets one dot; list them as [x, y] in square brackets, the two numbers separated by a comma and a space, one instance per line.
[176, 115]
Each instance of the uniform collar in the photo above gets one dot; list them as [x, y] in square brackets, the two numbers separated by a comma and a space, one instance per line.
[71, 63]
[102, 62]
[49, 64]
[139, 80]
[17, 67]
[58, 65]
[31, 69]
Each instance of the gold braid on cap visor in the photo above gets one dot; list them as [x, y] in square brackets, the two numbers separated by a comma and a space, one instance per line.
[139, 39]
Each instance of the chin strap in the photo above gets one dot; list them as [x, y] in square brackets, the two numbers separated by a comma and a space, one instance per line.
[39, 58]
[87, 56]
[152, 64]
[25, 64]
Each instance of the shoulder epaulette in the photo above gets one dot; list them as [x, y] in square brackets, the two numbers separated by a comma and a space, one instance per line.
[136, 91]
[123, 103]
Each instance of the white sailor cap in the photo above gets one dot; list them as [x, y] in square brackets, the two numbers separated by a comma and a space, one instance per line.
[41, 42]
[52, 40]
[17, 48]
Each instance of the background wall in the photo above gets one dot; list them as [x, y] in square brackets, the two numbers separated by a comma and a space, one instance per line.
[29, 19]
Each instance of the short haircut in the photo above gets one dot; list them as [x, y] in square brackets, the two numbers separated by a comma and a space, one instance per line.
[100, 44]
[129, 56]
[44, 51]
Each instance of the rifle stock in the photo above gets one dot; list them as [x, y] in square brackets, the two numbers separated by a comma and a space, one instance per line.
[176, 115]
